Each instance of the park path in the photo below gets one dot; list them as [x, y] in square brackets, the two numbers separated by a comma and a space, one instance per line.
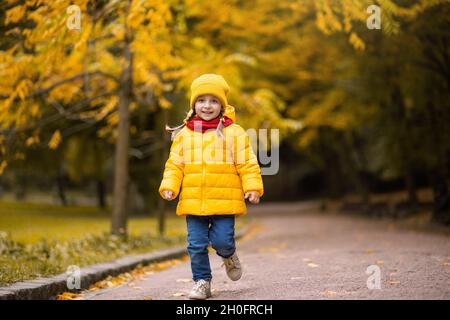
[295, 251]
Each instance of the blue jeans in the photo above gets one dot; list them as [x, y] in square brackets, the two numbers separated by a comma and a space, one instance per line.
[217, 229]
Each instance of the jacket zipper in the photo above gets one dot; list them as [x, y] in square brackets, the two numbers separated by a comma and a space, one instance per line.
[203, 188]
[202, 209]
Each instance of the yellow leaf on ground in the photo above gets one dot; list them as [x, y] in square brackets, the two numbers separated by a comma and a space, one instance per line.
[274, 249]
[68, 296]
[179, 294]
[329, 293]
[312, 265]
[136, 274]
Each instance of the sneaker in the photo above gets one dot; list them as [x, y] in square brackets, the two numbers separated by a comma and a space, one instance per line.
[233, 267]
[201, 290]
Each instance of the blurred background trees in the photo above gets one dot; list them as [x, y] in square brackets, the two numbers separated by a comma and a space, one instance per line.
[360, 111]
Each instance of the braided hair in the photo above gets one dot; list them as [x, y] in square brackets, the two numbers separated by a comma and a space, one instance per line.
[174, 130]
[191, 114]
[220, 126]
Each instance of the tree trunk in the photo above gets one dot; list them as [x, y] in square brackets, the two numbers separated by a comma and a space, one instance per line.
[404, 128]
[354, 169]
[101, 201]
[335, 184]
[411, 188]
[439, 172]
[120, 201]
[361, 178]
[60, 183]
[20, 183]
[441, 198]
[161, 201]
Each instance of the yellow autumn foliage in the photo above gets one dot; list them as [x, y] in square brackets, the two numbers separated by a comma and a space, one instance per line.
[55, 140]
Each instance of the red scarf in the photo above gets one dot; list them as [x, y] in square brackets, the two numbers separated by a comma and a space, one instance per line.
[206, 125]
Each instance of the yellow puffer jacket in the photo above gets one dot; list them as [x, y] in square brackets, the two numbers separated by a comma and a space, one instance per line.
[213, 172]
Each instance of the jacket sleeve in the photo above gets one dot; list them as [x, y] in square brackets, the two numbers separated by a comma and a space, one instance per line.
[247, 164]
[174, 168]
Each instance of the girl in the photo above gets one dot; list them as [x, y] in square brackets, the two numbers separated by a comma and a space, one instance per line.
[212, 161]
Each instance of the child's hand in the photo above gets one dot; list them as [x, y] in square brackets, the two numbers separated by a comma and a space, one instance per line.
[168, 195]
[252, 196]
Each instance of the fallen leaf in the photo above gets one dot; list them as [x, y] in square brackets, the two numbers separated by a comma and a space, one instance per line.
[68, 296]
[329, 293]
[370, 251]
[252, 230]
[306, 260]
[283, 245]
[394, 282]
[184, 280]
[148, 298]
[379, 262]
[136, 274]
[179, 294]
[296, 278]
[269, 249]
[312, 265]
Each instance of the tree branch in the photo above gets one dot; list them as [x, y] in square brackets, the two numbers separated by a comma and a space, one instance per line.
[54, 117]
[64, 81]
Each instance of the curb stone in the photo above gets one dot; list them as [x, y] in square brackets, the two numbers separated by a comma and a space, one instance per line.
[49, 287]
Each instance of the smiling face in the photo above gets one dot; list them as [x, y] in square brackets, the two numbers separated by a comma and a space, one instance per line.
[207, 107]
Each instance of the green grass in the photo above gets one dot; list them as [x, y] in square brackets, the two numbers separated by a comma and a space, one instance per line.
[41, 240]
[29, 223]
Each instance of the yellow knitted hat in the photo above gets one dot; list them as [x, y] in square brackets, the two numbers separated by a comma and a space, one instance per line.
[210, 84]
